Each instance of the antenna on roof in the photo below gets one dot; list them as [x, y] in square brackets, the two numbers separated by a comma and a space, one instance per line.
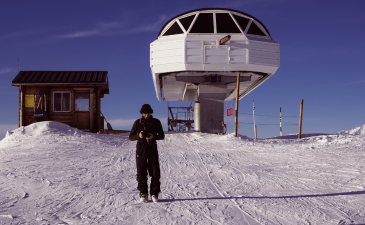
[18, 65]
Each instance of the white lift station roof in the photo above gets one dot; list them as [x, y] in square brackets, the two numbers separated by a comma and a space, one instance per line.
[188, 53]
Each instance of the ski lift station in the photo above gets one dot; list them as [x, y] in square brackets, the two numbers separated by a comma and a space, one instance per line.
[198, 54]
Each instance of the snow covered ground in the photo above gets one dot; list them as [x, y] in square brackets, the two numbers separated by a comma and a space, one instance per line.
[54, 174]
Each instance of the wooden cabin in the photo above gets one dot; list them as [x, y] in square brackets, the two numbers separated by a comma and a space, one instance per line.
[70, 97]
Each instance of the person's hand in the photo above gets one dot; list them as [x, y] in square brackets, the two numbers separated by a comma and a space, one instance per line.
[140, 135]
[150, 137]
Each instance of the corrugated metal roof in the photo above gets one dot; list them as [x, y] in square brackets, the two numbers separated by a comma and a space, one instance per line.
[64, 77]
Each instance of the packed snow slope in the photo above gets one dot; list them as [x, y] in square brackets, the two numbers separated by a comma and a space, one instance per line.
[54, 174]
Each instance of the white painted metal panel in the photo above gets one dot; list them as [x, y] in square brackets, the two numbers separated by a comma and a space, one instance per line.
[264, 46]
[164, 68]
[263, 53]
[266, 55]
[262, 61]
[194, 44]
[216, 54]
[173, 90]
[166, 53]
[238, 59]
[210, 42]
[166, 60]
[194, 52]
[238, 52]
[238, 44]
[167, 45]
[194, 59]
[238, 55]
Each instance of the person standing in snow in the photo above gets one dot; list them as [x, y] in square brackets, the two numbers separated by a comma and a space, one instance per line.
[146, 131]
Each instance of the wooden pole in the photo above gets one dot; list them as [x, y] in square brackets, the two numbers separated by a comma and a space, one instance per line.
[91, 110]
[236, 111]
[300, 119]
[255, 132]
[22, 114]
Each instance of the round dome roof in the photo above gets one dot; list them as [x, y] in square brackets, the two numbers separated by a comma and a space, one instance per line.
[214, 21]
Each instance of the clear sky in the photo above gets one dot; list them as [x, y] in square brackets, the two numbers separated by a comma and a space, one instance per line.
[322, 45]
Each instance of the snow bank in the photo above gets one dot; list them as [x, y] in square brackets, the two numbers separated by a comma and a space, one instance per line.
[295, 136]
[356, 131]
[54, 174]
[41, 128]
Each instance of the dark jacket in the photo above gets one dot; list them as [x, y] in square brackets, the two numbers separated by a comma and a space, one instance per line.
[150, 125]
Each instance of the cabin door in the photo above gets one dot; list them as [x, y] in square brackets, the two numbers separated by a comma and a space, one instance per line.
[82, 110]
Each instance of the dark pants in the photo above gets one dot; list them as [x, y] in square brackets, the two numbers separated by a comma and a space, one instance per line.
[147, 161]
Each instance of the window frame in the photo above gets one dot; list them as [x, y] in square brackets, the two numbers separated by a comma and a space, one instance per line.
[233, 20]
[259, 26]
[76, 100]
[179, 24]
[243, 31]
[185, 16]
[196, 17]
[70, 106]
[214, 12]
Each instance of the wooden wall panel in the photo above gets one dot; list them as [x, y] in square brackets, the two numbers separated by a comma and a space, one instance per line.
[101, 122]
[22, 97]
[29, 111]
[98, 109]
[26, 114]
[62, 118]
[83, 120]
[73, 108]
[91, 110]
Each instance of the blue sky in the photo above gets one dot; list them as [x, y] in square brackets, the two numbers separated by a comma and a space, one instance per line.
[321, 42]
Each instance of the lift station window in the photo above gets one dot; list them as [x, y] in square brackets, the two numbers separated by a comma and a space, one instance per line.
[225, 23]
[174, 29]
[243, 22]
[203, 24]
[254, 29]
[187, 21]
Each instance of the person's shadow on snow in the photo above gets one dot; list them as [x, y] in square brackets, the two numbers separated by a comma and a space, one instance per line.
[258, 197]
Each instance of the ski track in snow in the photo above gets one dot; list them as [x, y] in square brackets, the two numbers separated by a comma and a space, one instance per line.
[55, 174]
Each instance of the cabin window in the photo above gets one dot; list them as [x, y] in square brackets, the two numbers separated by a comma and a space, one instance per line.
[243, 22]
[187, 21]
[225, 24]
[203, 24]
[62, 101]
[254, 29]
[81, 101]
[174, 29]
